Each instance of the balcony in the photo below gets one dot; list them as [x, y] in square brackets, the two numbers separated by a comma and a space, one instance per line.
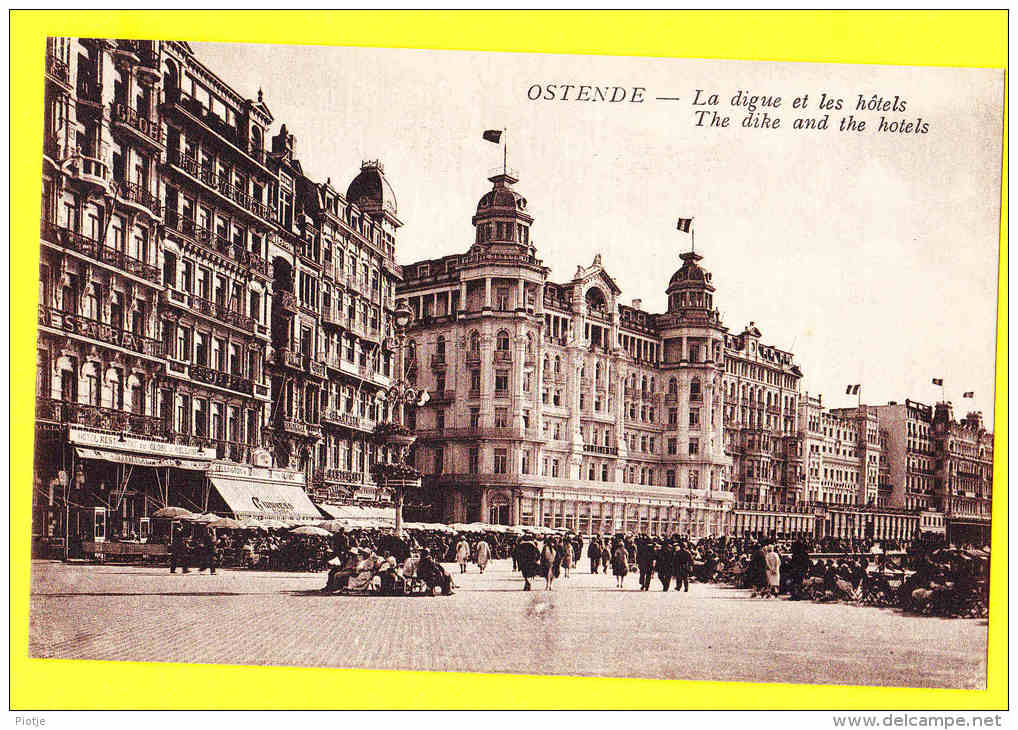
[89, 170]
[107, 419]
[148, 131]
[671, 398]
[331, 318]
[221, 379]
[300, 428]
[230, 450]
[287, 301]
[222, 313]
[316, 368]
[220, 184]
[343, 475]
[503, 356]
[58, 71]
[473, 358]
[93, 249]
[95, 330]
[602, 450]
[438, 362]
[286, 357]
[442, 396]
[134, 193]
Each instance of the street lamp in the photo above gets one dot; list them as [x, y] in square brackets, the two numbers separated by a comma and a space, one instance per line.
[393, 432]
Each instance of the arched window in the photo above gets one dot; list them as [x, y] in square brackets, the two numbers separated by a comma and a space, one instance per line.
[547, 363]
[440, 349]
[136, 388]
[502, 341]
[597, 372]
[643, 384]
[530, 344]
[673, 386]
[558, 364]
[114, 396]
[88, 386]
[475, 343]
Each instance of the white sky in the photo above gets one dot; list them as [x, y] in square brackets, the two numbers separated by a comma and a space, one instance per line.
[873, 257]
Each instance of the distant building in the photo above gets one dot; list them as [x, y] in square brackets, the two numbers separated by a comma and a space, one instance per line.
[964, 474]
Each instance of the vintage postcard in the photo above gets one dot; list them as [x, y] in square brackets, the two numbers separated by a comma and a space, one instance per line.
[515, 363]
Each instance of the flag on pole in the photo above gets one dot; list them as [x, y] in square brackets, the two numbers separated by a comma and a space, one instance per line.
[938, 381]
[685, 224]
[852, 390]
[492, 135]
[969, 394]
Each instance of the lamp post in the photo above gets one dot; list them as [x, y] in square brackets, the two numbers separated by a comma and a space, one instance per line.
[394, 432]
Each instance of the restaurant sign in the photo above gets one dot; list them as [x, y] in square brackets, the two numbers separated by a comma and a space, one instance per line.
[120, 442]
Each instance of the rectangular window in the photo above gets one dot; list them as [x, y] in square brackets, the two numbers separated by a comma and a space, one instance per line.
[475, 417]
[694, 447]
[501, 382]
[501, 461]
[475, 381]
[501, 417]
[694, 416]
[474, 459]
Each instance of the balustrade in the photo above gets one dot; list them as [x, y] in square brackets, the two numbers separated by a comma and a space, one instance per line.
[108, 419]
[96, 330]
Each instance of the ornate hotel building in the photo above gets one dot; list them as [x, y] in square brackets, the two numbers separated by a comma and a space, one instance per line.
[211, 322]
[216, 332]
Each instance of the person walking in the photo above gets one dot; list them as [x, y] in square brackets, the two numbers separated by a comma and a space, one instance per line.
[645, 562]
[208, 545]
[683, 564]
[462, 554]
[594, 553]
[606, 554]
[528, 558]
[567, 556]
[772, 563]
[756, 573]
[483, 554]
[550, 561]
[620, 563]
[178, 550]
[665, 564]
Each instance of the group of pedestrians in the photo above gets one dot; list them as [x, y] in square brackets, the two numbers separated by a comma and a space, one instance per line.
[669, 558]
[184, 548]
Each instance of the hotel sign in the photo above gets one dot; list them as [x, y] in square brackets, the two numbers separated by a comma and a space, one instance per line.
[142, 446]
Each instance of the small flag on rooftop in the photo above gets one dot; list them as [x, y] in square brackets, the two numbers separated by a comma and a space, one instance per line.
[938, 381]
[969, 394]
[493, 135]
[852, 390]
[685, 224]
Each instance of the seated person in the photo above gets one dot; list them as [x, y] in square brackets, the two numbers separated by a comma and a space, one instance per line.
[433, 574]
[340, 574]
[391, 582]
[365, 575]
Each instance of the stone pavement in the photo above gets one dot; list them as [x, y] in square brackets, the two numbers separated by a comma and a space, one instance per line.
[585, 626]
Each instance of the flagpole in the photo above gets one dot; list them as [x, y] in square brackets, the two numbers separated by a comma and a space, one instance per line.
[692, 232]
[505, 152]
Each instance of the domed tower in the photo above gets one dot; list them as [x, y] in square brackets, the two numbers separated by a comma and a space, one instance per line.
[690, 291]
[502, 223]
[693, 367]
[371, 192]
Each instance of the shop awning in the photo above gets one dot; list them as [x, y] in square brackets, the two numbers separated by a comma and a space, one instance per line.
[355, 513]
[266, 500]
[124, 457]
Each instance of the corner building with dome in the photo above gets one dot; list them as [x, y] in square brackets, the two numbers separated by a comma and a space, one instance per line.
[555, 404]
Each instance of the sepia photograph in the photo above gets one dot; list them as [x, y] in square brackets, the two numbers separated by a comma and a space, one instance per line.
[515, 363]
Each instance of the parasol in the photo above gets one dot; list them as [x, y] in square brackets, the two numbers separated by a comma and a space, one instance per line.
[310, 530]
[225, 523]
[173, 513]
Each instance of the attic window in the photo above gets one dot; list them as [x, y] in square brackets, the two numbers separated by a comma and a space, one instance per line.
[423, 270]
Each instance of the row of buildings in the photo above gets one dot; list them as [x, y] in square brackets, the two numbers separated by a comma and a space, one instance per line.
[215, 331]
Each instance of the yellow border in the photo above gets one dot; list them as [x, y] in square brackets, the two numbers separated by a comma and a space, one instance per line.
[942, 38]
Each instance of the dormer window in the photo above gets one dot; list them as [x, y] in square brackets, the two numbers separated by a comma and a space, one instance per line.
[423, 270]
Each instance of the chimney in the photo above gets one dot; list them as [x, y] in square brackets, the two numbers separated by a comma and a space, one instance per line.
[637, 303]
[283, 143]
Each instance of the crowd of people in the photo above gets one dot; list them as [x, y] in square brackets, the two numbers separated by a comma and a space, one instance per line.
[923, 575]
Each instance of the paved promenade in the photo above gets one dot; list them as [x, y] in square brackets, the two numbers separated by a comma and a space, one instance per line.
[585, 626]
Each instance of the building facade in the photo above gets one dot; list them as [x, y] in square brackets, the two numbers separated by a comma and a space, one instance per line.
[963, 474]
[206, 312]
